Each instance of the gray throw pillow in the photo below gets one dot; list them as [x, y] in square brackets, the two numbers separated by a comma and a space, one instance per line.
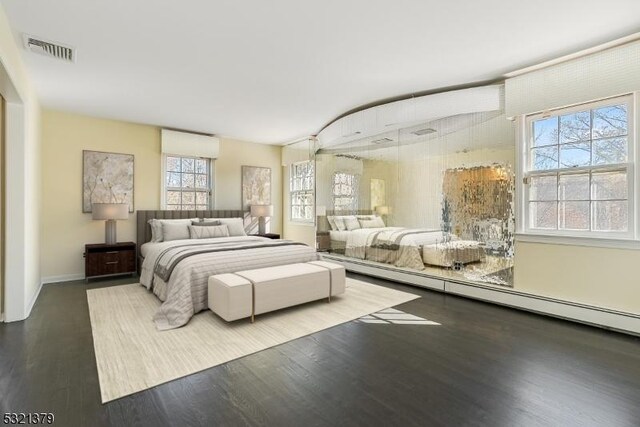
[205, 223]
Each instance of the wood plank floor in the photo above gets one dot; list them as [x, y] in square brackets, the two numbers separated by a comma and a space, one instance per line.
[484, 366]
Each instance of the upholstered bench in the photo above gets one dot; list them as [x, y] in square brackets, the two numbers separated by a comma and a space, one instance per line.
[456, 251]
[243, 294]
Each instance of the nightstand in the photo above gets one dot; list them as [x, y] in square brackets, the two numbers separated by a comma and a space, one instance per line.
[267, 235]
[109, 260]
[323, 241]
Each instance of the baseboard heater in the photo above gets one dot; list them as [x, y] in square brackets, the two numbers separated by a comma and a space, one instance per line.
[595, 316]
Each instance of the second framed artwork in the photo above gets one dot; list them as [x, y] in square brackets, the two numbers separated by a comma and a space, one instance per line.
[256, 186]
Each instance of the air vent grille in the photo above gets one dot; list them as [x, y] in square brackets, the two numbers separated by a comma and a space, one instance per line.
[426, 131]
[49, 48]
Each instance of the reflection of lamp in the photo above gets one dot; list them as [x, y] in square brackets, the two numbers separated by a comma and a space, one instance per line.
[382, 210]
[321, 211]
[261, 211]
[110, 212]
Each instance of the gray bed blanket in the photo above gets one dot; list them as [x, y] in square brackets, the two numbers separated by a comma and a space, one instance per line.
[178, 272]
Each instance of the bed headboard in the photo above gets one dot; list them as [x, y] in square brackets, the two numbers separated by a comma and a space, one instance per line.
[144, 229]
[323, 223]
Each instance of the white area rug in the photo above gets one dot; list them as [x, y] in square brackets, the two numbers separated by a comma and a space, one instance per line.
[133, 356]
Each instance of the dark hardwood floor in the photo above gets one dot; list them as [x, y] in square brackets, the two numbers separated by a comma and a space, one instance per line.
[484, 366]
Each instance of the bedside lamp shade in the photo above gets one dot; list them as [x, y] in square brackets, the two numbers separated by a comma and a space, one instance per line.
[110, 212]
[321, 211]
[261, 211]
[382, 210]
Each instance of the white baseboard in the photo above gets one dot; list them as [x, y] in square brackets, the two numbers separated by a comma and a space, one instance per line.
[33, 301]
[582, 313]
[62, 278]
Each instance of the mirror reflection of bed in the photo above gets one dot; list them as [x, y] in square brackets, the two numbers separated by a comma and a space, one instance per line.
[434, 198]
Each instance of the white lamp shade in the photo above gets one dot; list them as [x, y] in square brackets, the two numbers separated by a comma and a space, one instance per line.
[321, 210]
[261, 210]
[110, 211]
[382, 210]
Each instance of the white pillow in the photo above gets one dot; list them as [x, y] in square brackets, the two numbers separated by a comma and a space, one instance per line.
[209, 232]
[365, 217]
[351, 222]
[376, 222]
[156, 227]
[235, 225]
[340, 225]
[332, 222]
[175, 231]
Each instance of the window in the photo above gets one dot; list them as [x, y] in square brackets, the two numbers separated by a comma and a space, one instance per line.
[580, 171]
[187, 183]
[345, 191]
[301, 185]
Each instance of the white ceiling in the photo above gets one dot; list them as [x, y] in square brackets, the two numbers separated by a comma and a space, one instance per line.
[273, 71]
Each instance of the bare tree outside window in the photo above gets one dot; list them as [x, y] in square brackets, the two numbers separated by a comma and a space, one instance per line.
[578, 169]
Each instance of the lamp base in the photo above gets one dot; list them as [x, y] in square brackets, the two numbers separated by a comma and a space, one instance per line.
[110, 232]
[262, 225]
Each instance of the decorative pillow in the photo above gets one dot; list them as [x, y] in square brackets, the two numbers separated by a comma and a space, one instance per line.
[332, 222]
[236, 225]
[351, 222]
[209, 232]
[157, 230]
[340, 225]
[205, 223]
[173, 231]
[376, 222]
[366, 217]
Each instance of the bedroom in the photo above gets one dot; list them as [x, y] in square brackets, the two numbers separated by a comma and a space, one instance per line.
[280, 224]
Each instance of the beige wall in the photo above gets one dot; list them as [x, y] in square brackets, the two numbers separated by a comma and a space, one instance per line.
[228, 179]
[22, 238]
[65, 229]
[602, 277]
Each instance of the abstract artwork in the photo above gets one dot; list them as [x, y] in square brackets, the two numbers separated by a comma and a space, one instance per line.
[378, 193]
[256, 186]
[106, 178]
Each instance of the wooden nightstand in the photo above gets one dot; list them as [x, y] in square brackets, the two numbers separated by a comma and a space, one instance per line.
[109, 260]
[267, 235]
[323, 241]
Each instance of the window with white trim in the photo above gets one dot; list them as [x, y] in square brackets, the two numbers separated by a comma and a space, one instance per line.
[579, 171]
[301, 187]
[345, 191]
[188, 183]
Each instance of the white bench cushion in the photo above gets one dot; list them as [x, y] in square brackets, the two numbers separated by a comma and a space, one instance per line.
[231, 295]
[445, 254]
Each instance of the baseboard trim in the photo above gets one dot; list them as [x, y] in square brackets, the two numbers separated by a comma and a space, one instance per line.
[33, 301]
[62, 278]
[582, 313]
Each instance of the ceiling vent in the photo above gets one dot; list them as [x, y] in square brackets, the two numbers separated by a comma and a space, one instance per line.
[425, 131]
[49, 48]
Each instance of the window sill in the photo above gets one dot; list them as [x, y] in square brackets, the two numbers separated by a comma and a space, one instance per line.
[303, 223]
[597, 242]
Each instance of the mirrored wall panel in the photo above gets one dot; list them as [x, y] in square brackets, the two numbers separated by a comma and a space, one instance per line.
[434, 197]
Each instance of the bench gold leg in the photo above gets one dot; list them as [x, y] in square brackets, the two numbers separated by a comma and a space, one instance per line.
[253, 318]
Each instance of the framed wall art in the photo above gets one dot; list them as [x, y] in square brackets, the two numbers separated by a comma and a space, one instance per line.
[106, 178]
[256, 186]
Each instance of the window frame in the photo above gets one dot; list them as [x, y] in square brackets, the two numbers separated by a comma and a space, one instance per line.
[293, 192]
[526, 172]
[210, 181]
[354, 194]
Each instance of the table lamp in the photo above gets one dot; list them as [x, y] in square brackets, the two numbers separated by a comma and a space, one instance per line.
[110, 212]
[261, 212]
